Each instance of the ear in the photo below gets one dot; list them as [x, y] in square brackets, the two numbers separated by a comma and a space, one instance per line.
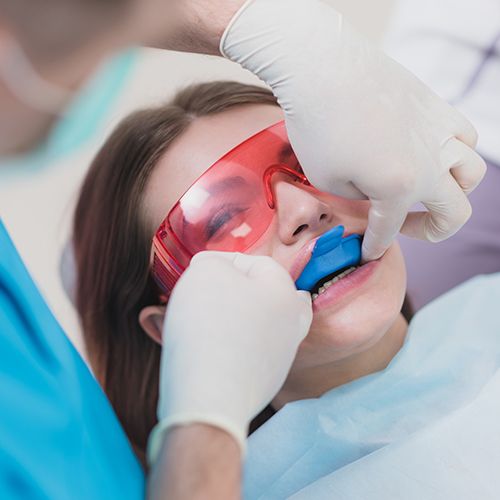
[151, 320]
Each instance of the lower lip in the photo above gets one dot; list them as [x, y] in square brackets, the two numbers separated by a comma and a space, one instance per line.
[346, 286]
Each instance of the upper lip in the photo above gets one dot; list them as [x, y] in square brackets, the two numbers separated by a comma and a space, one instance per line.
[302, 258]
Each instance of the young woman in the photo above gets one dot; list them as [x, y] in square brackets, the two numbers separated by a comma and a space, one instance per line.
[147, 164]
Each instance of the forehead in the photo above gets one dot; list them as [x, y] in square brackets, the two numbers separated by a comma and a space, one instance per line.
[205, 141]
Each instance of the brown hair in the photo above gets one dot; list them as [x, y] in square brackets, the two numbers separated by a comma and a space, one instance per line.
[112, 248]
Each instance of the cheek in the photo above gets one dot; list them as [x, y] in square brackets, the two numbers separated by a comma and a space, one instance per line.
[346, 209]
[269, 244]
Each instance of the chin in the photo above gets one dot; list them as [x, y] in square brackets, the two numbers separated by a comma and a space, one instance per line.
[342, 339]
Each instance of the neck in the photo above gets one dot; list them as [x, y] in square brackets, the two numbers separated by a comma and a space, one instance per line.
[314, 381]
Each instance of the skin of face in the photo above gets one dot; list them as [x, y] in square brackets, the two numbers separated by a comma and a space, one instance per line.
[22, 126]
[341, 333]
[62, 60]
[190, 25]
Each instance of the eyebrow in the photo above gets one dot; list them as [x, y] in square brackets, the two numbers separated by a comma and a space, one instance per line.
[226, 184]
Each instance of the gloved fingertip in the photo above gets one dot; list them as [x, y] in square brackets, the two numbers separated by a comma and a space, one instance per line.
[306, 313]
[234, 259]
[244, 262]
[201, 256]
[305, 297]
[368, 253]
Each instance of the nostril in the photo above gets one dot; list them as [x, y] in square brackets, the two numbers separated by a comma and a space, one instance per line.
[323, 216]
[300, 229]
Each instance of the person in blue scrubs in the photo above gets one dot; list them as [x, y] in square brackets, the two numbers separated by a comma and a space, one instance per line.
[59, 437]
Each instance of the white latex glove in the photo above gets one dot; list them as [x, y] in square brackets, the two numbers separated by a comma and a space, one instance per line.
[233, 325]
[360, 124]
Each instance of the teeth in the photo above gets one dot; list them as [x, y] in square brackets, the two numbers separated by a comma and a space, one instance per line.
[328, 284]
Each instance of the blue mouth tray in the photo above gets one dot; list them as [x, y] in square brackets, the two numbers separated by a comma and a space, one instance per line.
[331, 253]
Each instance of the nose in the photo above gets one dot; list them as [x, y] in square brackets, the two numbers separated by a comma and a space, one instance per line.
[300, 212]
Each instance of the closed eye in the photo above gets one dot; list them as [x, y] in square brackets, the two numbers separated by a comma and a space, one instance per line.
[222, 217]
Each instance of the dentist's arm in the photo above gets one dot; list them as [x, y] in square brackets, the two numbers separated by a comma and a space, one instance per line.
[233, 325]
[197, 461]
[189, 25]
[361, 125]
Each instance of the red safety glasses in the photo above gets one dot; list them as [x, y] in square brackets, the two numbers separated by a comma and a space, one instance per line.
[228, 208]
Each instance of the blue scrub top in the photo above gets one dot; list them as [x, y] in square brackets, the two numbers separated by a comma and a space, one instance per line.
[59, 437]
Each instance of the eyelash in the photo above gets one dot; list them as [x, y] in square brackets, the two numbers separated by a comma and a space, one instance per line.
[223, 215]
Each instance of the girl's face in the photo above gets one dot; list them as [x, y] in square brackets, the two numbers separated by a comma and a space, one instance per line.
[354, 313]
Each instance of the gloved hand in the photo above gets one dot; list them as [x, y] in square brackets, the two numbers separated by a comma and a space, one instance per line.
[233, 325]
[360, 124]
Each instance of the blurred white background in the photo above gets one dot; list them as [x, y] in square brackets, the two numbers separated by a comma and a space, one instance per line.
[37, 211]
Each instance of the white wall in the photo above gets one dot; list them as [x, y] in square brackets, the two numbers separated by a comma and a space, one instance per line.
[37, 210]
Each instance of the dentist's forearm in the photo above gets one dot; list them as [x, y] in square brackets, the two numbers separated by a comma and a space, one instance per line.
[197, 25]
[197, 462]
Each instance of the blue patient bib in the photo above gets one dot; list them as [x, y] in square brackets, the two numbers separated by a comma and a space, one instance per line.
[425, 428]
[59, 437]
